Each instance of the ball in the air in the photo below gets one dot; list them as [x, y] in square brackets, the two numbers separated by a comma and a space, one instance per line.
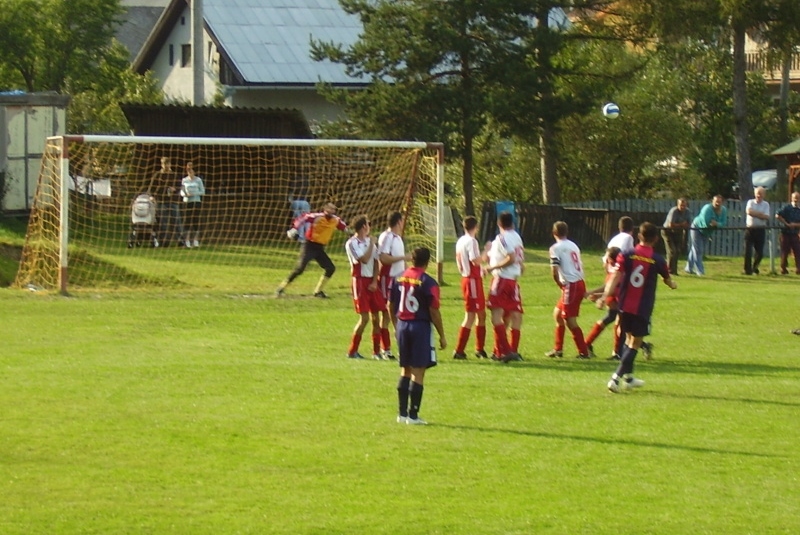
[611, 110]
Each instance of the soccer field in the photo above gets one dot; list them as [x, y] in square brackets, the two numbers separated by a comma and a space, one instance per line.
[206, 409]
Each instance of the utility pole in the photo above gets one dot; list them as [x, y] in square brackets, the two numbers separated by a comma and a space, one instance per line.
[198, 53]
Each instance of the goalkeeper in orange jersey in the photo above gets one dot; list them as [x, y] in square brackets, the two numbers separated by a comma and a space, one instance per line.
[319, 230]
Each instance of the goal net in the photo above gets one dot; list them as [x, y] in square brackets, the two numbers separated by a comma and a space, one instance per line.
[111, 211]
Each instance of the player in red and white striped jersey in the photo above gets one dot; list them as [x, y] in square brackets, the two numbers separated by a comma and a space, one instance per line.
[468, 261]
[506, 263]
[567, 268]
[392, 257]
[363, 256]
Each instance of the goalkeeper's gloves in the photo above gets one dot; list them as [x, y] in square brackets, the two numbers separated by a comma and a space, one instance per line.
[291, 233]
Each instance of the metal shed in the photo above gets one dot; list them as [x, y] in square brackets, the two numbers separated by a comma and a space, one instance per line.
[26, 120]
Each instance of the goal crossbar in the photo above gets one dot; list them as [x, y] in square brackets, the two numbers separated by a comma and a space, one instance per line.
[264, 142]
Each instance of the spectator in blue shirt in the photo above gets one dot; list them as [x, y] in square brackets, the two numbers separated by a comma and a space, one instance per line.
[711, 217]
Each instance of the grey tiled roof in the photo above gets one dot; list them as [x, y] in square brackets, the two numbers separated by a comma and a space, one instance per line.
[137, 23]
[268, 41]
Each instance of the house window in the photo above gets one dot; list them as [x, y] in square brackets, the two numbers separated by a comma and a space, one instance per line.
[183, 21]
[226, 76]
[186, 55]
[171, 55]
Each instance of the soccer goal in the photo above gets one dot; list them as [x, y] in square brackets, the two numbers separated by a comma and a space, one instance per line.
[110, 212]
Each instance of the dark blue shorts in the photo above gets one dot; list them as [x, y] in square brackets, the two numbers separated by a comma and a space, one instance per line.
[415, 344]
[637, 326]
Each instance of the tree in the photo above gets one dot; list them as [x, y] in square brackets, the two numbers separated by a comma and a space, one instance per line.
[95, 108]
[48, 42]
[573, 67]
[635, 155]
[426, 62]
[444, 67]
[20, 41]
[715, 22]
[782, 37]
[68, 46]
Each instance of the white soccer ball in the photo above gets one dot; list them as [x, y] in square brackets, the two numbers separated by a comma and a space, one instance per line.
[611, 110]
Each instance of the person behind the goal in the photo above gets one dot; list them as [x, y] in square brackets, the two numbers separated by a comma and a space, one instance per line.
[319, 232]
[192, 191]
[165, 186]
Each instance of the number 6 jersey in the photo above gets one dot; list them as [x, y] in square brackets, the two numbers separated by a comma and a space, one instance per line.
[637, 289]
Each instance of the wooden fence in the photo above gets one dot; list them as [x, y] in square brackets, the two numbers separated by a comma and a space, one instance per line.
[592, 224]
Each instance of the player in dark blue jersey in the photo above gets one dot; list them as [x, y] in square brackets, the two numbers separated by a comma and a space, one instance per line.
[637, 276]
[415, 304]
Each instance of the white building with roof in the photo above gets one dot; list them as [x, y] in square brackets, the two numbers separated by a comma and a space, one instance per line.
[256, 54]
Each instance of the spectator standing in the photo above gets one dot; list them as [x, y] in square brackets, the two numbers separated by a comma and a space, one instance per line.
[392, 257]
[756, 218]
[678, 221]
[567, 270]
[192, 191]
[363, 257]
[165, 186]
[298, 202]
[712, 216]
[636, 277]
[468, 261]
[506, 263]
[789, 216]
[318, 233]
[415, 304]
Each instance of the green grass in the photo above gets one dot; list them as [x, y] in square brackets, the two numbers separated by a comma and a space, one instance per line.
[203, 409]
[12, 236]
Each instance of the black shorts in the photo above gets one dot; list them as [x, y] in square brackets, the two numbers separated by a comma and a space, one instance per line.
[415, 344]
[634, 325]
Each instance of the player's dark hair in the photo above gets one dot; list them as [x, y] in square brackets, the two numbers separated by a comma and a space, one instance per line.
[560, 229]
[394, 218]
[625, 224]
[506, 220]
[360, 222]
[470, 222]
[421, 256]
[648, 232]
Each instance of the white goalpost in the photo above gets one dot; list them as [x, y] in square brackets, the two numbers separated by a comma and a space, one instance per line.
[116, 212]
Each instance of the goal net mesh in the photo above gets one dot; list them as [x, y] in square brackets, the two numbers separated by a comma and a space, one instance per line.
[128, 225]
